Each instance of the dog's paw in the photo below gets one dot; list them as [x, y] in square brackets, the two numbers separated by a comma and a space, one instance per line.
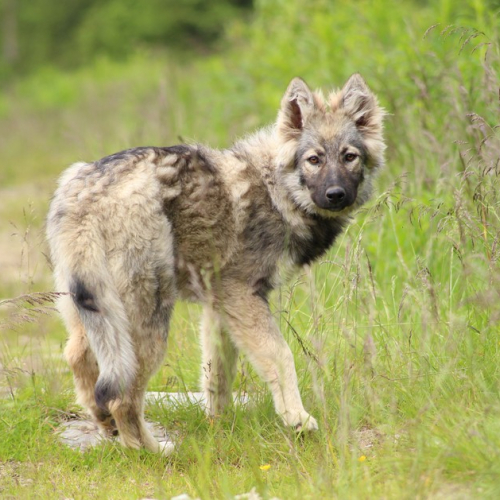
[301, 421]
[307, 423]
[166, 448]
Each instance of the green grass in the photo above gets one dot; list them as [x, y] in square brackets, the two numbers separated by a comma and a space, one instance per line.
[395, 331]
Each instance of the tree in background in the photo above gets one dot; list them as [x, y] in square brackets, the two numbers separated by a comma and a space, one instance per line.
[73, 32]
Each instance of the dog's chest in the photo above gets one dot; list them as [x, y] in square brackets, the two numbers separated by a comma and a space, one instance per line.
[322, 232]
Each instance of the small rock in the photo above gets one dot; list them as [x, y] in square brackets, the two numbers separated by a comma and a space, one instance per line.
[84, 434]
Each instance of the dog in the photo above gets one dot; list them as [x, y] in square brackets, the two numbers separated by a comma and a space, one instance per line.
[135, 231]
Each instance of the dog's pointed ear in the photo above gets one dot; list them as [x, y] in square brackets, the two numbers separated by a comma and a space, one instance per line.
[360, 103]
[296, 105]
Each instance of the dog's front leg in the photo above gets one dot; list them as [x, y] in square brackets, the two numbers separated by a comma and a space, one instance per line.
[254, 331]
[219, 362]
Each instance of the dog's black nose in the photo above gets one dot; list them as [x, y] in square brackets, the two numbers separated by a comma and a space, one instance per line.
[336, 195]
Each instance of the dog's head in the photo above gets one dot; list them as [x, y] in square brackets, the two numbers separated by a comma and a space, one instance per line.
[330, 148]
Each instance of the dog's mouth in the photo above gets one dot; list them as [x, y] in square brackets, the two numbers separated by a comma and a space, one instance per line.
[334, 199]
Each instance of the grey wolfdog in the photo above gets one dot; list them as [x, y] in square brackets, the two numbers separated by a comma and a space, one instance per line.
[134, 231]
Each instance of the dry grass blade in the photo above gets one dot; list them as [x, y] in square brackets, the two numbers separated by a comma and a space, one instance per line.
[27, 307]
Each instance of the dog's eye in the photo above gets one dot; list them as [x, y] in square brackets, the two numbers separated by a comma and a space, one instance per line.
[313, 160]
[349, 157]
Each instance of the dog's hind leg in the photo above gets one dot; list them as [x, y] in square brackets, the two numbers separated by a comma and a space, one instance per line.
[220, 356]
[128, 410]
[149, 308]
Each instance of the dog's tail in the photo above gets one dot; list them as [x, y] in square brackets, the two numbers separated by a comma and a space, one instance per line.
[82, 269]
[108, 331]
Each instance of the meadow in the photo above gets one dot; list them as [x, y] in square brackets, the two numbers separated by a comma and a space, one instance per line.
[395, 332]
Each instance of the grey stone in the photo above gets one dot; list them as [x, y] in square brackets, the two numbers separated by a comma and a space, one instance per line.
[82, 434]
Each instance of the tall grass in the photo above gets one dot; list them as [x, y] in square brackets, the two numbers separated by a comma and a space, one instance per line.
[395, 331]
